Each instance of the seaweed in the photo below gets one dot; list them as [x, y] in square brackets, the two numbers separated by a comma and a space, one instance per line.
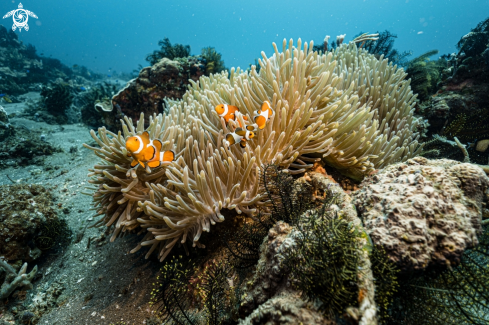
[425, 74]
[169, 51]
[287, 198]
[214, 62]
[325, 260]
[54, 233]
[187, 295]
[386, 281]
[243, 246]
[455, 295]
[384, 45]
[216, 286]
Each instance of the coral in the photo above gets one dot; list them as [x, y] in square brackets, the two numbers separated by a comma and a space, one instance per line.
[99, 94]
[23, 208]
[456, 295]
[168, 51]
[271, 274]
[14, 280]
[475, 42]
[22, 69]
[56, 100]
[470, 64]
[424, 74]
[346, 107]
[147, 93]
[286, 309]
[424, 213]
[214, 62]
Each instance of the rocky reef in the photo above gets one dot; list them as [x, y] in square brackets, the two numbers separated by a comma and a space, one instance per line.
[459, 108]
[29, 225]
[422, 212]
[23, 70]
[167, 79]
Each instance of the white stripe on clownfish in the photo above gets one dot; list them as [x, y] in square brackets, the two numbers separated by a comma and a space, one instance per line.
[141, 145]
[226, 110]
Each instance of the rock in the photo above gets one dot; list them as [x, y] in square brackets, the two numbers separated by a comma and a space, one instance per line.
[269, 296]
[146, 93]
[286, 310]
[3, 115]
[27, 317]
[424, 213]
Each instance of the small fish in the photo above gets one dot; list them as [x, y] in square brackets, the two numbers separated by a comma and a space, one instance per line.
[263, 115]
[241, 136]
[144, 150]
[75, 65]
[27, 71]
[83, 88]
[228, 112]
[2, 95]
[109, 75]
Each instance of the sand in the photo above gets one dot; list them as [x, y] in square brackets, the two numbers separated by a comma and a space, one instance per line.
[91, 281]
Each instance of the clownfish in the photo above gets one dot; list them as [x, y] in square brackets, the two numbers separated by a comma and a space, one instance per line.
[228, 112]
[241, 136]
[144, 150]
[263, 115]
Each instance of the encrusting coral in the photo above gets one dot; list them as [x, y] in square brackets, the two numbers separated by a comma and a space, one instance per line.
[347, 107]
[424, 213]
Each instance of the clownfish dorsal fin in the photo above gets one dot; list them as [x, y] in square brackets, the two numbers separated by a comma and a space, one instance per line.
[145, 135]
[265, 106]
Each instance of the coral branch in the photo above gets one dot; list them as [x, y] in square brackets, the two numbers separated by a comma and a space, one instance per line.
[15, 280]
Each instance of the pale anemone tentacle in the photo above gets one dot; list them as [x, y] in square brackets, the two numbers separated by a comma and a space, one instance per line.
[346, 107]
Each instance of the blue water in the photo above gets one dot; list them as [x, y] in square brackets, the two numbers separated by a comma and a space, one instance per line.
[117, 35]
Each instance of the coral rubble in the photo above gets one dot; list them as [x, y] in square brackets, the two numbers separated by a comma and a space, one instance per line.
[424, 213]
[21, 146]
[24, 209]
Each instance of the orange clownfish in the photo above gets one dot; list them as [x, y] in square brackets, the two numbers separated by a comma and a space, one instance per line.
[228, 112]
[240, 136]
[144, 150]
[263, 115]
